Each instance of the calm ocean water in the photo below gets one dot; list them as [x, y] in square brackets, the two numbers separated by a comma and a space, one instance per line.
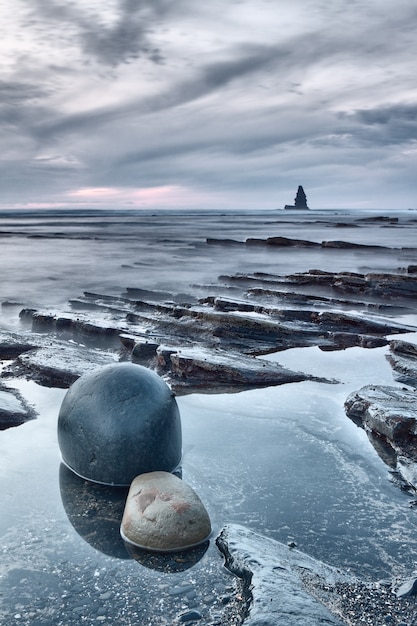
[48, 257]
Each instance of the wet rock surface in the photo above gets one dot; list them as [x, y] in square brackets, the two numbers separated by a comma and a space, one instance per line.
[208, 342]
[272, 583]
[403, 360]
[280, 584]
[388, 411]
[389, 415]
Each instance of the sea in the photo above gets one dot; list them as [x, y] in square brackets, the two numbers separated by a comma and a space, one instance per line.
[283, 461]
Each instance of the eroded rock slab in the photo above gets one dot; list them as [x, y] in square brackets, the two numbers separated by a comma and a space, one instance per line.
[218, 370]
[13, 344]
[209, 343]
[370, 286]
[58, 364]
[389, 411]
[273, 577]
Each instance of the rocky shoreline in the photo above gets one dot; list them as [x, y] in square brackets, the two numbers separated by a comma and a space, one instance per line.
[214, 343]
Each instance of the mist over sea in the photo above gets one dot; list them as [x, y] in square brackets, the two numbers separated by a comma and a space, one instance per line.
[49, 256]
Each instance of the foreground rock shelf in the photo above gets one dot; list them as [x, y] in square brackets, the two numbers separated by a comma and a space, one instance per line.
[280, 584]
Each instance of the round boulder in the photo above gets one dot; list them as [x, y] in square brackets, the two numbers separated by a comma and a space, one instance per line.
[164, 514]
[117, 422]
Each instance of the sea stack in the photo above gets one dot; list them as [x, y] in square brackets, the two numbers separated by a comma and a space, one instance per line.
[300, 200]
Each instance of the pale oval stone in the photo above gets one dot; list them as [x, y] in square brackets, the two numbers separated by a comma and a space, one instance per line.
[117, 422]
[164, 514]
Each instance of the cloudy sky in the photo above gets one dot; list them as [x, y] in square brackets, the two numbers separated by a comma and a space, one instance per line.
[220, 104]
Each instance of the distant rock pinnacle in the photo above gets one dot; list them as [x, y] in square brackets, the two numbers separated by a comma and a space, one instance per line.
[300, 200]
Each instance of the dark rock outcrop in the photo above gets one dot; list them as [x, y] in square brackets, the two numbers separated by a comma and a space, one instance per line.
[300, 200]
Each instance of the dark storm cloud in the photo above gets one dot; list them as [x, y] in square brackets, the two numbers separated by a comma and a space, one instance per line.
[124, 39]
[389, 115]
[128, 37]
[13, 92]
[395, 124]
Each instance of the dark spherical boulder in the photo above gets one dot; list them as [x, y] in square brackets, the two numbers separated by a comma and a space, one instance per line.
[117, 422]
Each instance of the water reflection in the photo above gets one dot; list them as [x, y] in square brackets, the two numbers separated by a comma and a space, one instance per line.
[95, 511]
[169, 563]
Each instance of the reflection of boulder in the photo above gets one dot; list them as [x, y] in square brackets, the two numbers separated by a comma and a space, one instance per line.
[95, 511]
[168, 563]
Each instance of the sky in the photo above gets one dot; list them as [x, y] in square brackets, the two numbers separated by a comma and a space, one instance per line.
[225, 104]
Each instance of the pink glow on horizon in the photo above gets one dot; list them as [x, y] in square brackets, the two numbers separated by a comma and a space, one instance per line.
[163, 196]
[33, 205]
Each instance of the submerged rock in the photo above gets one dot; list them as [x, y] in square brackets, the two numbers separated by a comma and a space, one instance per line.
[164, 514]
[117, 422]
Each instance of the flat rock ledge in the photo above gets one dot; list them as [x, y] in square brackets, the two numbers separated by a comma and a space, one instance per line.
[281, 585]
[58, 364]
[204, 369]
[272, 575]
